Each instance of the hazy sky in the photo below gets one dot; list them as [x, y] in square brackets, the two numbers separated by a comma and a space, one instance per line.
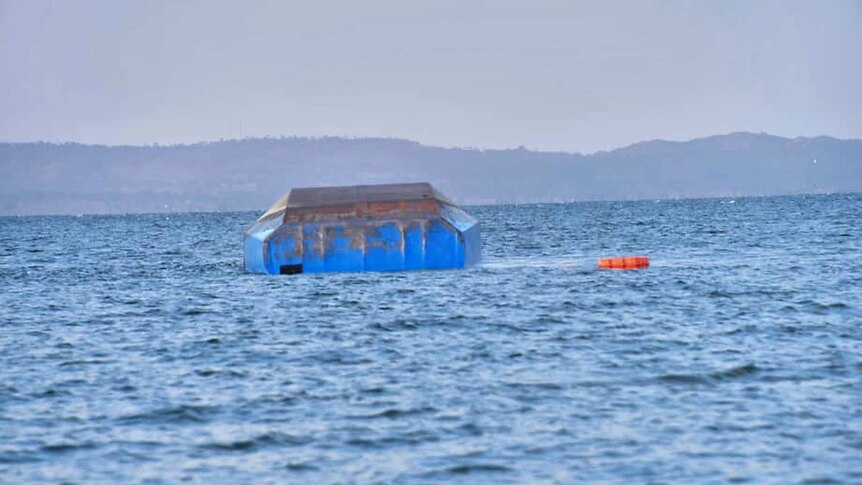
[571, 76]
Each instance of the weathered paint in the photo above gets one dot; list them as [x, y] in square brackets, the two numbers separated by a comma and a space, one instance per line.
[362, 228]
[254, 244]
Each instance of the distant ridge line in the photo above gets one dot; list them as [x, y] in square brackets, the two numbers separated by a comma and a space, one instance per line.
[418, 143]
[247, 174]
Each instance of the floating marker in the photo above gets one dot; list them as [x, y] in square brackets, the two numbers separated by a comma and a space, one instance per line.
[624, 262]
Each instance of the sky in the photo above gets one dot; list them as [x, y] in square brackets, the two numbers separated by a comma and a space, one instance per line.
[547, 75]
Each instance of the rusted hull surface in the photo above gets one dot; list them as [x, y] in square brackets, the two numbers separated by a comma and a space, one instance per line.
[374, 232]
[363, 209]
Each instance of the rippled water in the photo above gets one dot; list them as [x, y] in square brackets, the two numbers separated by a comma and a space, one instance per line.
[134, 348]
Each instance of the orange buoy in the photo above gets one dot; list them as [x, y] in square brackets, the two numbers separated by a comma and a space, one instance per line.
[624, 262]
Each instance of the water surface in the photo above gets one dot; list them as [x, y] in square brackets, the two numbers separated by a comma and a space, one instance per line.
[135, 349]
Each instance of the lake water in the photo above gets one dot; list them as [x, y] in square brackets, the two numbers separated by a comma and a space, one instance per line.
[135, 349]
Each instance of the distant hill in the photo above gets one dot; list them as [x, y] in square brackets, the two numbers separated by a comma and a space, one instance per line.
[69, 178]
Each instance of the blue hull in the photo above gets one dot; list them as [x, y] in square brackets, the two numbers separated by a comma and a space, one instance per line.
[445, 239]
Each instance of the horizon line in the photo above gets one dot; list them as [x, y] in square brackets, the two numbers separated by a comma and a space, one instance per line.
[421, 144]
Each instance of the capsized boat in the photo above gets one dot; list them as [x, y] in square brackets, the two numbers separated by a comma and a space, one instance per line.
[362, 228]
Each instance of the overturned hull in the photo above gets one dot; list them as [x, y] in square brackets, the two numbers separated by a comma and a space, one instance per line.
[362, 228]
